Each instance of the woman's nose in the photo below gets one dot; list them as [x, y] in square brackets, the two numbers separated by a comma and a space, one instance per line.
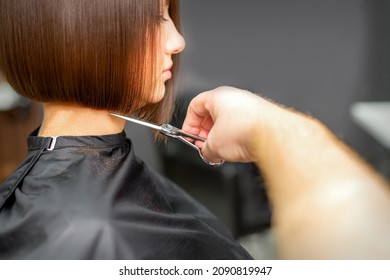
[175, 43]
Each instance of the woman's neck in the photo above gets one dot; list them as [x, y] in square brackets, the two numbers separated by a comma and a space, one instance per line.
[72, 120]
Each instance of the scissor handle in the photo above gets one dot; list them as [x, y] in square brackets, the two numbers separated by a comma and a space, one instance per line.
[171, 131]
[214, 164]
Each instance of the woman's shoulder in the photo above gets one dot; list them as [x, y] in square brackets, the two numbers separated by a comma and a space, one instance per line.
[73, 211]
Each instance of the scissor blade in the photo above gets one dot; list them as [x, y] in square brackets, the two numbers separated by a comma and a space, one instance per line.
[154, 126]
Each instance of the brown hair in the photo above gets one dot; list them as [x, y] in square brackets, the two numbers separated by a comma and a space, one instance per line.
[100, 54]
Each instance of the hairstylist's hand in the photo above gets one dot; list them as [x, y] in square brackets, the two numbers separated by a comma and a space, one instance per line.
[229, 118]
[310, 175]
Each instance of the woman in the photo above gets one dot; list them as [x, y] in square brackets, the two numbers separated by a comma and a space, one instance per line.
[81, 193]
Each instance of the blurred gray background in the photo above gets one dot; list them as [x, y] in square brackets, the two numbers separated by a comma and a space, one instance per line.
[317, 56]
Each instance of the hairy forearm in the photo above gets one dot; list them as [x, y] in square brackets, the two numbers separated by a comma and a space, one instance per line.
[327, 202]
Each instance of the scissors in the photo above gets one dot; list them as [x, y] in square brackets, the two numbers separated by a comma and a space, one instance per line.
[174, 132]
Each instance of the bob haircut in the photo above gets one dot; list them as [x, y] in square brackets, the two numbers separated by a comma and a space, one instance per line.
[100, 54]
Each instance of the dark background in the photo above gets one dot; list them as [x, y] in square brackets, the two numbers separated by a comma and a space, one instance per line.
[316, 56]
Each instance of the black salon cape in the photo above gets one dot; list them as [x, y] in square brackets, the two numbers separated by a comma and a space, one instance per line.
[92, 198]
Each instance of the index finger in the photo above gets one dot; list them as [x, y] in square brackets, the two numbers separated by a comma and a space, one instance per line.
[198, 119]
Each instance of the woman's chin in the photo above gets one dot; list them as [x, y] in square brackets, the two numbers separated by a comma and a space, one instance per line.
[158, 95]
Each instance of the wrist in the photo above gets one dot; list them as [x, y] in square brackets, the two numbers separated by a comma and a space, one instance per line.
[281, 134]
